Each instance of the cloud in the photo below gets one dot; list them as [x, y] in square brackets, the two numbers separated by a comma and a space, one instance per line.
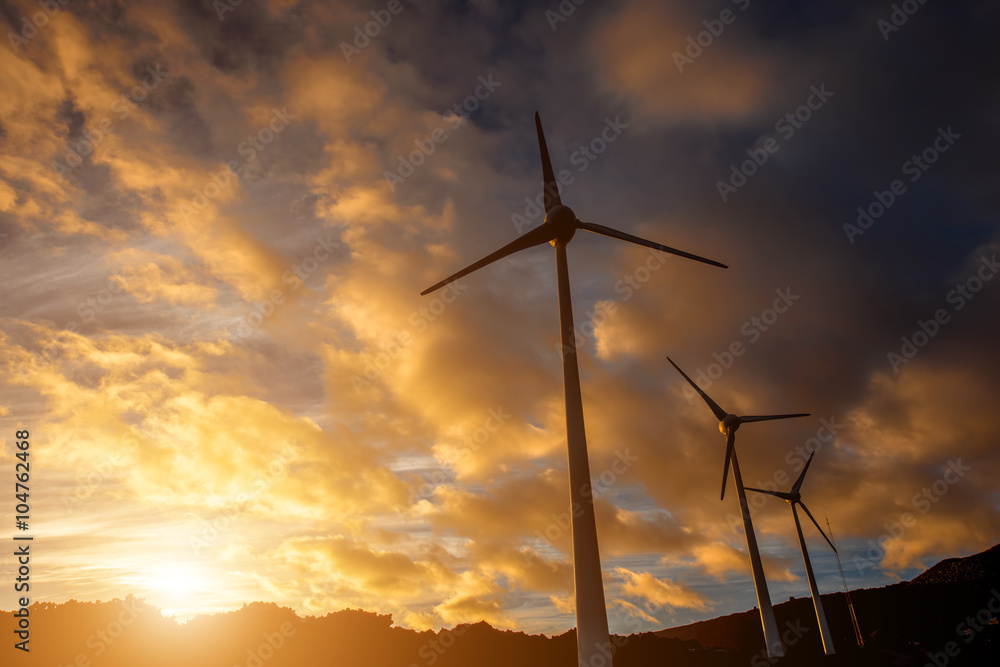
[660, 593]
[635, 611]
[176, 423]
[645, 54]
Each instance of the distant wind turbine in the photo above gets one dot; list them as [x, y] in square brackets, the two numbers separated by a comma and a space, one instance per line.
[728, 424]
[858, 637]
[795, 498]
[559, 226]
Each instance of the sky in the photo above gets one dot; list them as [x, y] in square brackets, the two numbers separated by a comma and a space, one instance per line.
[216, 219]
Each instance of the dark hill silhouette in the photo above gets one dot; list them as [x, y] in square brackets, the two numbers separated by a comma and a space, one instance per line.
[909, 623]
[980, 568]
[905, 620]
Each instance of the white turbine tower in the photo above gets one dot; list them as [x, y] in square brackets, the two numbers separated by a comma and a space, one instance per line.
[559, 226]
[728, 424]
[795, 498]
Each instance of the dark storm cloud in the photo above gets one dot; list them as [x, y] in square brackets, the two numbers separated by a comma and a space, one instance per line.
[242, 39]
[186, 125]
[74, 119]
[785, 225]
[787, 221]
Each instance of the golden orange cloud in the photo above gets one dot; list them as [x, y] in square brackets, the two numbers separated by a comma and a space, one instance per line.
[660, 592]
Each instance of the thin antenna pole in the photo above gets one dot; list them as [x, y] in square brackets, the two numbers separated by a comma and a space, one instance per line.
[850, 605]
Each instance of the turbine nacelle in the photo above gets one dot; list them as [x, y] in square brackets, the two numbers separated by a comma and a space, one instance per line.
[729, 423]
[563, 223]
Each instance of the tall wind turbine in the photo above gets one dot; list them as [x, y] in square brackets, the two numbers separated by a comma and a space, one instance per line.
[795, 498]
[558, 228]
[728, 424]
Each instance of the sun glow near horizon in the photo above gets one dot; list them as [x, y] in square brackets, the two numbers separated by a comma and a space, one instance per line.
[178, 588]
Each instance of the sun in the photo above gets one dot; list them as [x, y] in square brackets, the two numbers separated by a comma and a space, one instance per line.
[170, 581]
[178, 580]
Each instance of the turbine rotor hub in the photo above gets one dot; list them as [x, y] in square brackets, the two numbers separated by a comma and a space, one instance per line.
[563, 222]
[729, 422]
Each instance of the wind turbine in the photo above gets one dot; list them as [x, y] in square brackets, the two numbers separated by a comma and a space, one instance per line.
[728, 424]
[558, 228]
[858, 637]
[795, 498]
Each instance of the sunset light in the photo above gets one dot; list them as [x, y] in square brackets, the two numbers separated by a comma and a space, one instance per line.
[409, 333]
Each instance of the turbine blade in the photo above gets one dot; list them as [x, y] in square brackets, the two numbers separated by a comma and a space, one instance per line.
[615, 234]
[536, 236]
[765, 418]
[730, 442]
[719, 413]
[776, 494]
[550, 187]
[817, 525]
[802, 475]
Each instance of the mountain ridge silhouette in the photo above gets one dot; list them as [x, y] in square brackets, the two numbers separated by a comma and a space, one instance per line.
[903, 623]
